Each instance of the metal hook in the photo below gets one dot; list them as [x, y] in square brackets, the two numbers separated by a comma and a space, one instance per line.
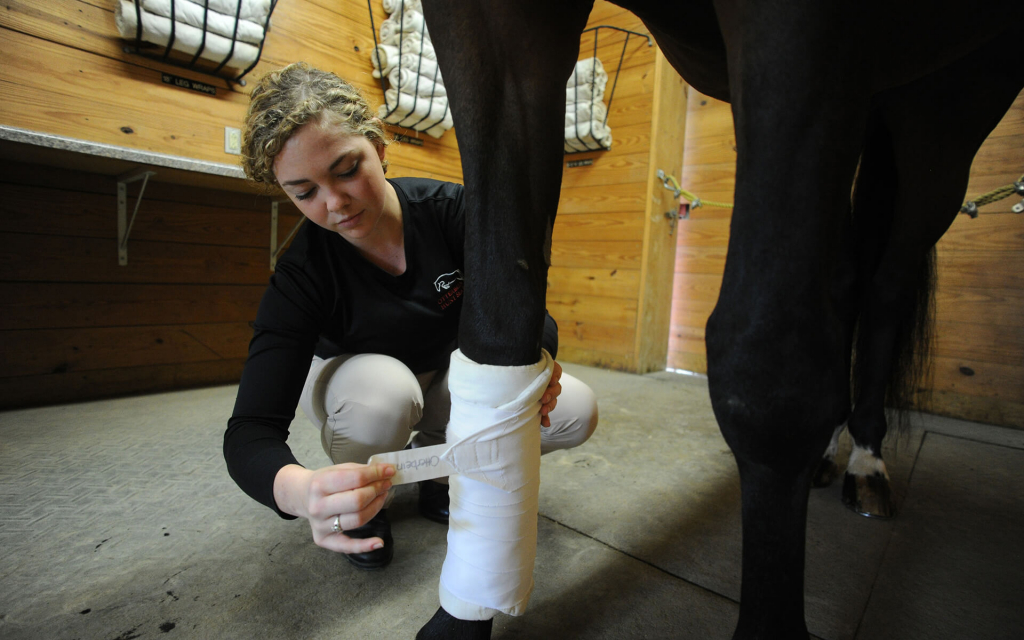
[670, 183]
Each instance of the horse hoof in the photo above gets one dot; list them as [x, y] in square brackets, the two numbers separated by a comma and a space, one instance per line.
[825, 474]
[868, 495]
[445, 626]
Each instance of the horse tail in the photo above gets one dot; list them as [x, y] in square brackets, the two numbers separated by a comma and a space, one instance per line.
[876, 189]
[909, 372]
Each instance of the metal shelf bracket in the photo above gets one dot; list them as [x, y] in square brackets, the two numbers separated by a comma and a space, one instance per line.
[124, 225]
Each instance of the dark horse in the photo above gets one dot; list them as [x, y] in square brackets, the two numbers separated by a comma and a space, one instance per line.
[887, 100]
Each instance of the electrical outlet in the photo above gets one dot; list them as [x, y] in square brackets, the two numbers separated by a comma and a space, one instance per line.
[232, 140]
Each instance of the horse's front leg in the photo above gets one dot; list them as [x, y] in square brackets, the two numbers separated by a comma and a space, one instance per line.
[778, 338]
[505, 65]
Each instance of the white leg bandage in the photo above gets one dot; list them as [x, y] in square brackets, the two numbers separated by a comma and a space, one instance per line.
[492, 531]
[492, 455]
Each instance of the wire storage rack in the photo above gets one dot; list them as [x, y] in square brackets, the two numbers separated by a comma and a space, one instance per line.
[586, 119]
[404, 56]
[222, 38]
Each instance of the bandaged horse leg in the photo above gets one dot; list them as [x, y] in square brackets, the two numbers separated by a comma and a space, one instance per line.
[506, 74]
[492, 535]
[493, 459]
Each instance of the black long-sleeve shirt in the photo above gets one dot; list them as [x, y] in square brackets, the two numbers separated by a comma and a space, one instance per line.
[326, 299]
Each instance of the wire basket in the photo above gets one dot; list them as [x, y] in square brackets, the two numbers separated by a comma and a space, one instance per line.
[404, 56]
[223, 38]
[586, 115]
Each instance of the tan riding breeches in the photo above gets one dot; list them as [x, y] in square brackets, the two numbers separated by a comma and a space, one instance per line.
[370, 403]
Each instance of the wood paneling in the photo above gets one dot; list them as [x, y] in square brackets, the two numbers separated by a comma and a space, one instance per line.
[608, 169]
[610, 283]
[988, 232]
[620, 312]
[611, 198]
[615, 360]
[64, 72]
[612, 254]
[668, 128]
[32, 306]
[980, 341]
[601, 226]
[73, 386]
[991, 410]
[74, 324]
[88, 215]
[597, 253]
[589, 336]
[80, 326]
[35, 258]
[980, 296]
[1000, 307]
[984, 379]
[42, 351]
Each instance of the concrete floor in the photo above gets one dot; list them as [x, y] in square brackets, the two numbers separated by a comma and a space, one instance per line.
[118, 521]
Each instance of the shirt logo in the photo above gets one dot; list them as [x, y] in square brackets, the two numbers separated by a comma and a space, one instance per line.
[446, 281]
[449, 285]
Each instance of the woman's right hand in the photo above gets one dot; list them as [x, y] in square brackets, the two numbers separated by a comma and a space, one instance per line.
[351, 492]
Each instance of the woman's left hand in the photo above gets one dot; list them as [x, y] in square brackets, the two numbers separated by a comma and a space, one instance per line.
[550, 398]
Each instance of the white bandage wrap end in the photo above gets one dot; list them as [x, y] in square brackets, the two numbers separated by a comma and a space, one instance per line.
[492, 531]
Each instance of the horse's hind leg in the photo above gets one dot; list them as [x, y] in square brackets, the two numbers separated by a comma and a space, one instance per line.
[887, 275]
[505, 66]
[827, 471]
[913, 177]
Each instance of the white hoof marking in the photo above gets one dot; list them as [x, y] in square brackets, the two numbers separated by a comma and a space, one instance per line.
[864, 463]
[833, 446]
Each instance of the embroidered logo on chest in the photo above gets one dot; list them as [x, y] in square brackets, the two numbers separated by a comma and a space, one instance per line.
[449, 286]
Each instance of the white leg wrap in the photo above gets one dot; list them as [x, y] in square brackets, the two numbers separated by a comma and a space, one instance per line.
[492, 531]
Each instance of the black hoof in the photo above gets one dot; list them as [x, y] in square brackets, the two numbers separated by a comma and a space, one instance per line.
[825, 474]
[444, 626]
[868, 495]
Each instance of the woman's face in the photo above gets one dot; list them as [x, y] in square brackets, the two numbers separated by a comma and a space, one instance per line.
[335, 179]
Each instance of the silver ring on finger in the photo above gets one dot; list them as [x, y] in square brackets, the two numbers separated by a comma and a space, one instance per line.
[336, 527]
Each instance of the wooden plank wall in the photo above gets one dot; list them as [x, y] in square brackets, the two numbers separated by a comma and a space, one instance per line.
[64, 72]
[76, 326]
[978, 358]
[73, 324]
[709, 171]
[606, 255]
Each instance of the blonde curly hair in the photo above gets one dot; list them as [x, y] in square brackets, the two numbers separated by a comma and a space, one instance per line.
[288, 98]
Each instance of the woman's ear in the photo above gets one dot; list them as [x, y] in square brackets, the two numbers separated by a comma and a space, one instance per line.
[381, 153]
